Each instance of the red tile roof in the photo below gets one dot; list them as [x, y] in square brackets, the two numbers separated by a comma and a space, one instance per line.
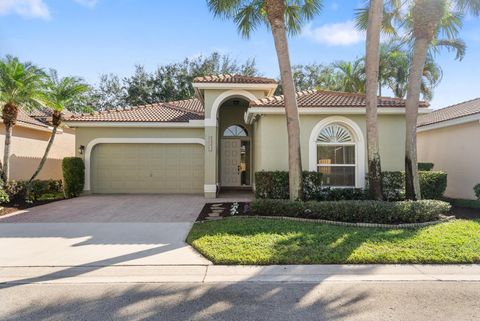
[325, 98]
[234, 79]
[176, 111]
[466, 108]
[24, 120]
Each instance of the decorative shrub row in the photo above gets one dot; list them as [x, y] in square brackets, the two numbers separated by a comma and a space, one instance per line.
[274, 184]
[432, 185]
[381, 212]
[17, 190]
[476, 190]
[73, 175]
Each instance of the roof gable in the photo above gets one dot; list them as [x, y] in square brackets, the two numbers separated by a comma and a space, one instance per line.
[234, 79]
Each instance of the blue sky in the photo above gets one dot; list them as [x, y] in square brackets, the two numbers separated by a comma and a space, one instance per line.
[90, 37]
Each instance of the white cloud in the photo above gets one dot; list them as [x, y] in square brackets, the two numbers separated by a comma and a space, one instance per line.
[87, 3]
[335, 34]
[25, 8]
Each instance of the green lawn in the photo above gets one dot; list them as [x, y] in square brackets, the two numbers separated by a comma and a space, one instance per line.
[263, 241]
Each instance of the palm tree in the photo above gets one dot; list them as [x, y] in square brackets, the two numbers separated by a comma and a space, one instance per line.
[59, 94]
[429, 20]
[19, 84]
[281, 16]
[350, 76]
[372, 65]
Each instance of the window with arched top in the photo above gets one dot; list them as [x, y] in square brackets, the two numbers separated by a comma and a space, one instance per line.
[336, 156]
[235, 131]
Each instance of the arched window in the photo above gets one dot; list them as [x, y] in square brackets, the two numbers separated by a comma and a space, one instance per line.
[235, 131]
[336, 156]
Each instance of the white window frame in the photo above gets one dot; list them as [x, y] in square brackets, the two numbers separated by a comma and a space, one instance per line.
[359, 142]
[339, 165]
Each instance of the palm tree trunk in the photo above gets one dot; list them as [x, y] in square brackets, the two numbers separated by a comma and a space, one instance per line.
[6, 153]
[45, 155]
[372, 60]
[275, 12]
[412, 183]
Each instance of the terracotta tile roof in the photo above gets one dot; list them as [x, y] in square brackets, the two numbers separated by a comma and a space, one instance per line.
[466, 108]
[325, 98]
[46, 112]
[24, 120]
[176, 111]
[234, 79]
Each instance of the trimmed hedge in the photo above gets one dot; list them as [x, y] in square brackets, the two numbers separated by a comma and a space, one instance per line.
[426, 167]
[74, 175]
[432, 185]
[274, 185]
[380, 212]
[4, 196]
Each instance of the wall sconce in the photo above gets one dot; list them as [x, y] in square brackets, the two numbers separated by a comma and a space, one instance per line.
[81, 149]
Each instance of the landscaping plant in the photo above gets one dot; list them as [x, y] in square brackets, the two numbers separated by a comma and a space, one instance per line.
[74, 175]
[476, 190]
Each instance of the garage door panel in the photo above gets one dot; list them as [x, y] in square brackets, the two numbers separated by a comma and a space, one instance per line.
[148, 168]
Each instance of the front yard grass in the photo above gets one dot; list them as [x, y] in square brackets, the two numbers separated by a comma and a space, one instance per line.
[263, 241]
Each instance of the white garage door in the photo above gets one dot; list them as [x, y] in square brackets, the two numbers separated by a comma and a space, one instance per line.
[148, 168]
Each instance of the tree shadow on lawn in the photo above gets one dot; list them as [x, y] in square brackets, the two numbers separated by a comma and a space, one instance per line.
[309, 243]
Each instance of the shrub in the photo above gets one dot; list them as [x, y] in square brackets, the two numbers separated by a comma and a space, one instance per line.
[4, 196]
[16, 191]
[274, 185]
[426, 167]
[476, 190]
[40, 188]
[355, 211]
[432, 185]
[73, 175]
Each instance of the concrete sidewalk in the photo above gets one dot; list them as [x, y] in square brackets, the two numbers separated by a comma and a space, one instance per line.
[214, 273]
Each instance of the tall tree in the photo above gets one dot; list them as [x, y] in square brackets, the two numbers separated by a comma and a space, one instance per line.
[281, 16]
[372, 62]
[19, 84]
[350, 76]
[429, 19]
[60, 94]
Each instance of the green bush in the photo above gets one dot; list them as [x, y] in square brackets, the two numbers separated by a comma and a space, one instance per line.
[426, 167]
[40, 188]
[476, 190]
[274, 185]
[16, 191]
[3, 196]
[73, 176]
[354, 211]
[432, 185]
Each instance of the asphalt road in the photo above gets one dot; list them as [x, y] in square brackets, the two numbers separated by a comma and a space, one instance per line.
[438, 301]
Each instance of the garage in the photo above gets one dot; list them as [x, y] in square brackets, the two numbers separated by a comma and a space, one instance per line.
[148, 168]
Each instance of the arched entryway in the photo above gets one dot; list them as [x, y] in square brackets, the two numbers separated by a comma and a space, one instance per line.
[235, 142]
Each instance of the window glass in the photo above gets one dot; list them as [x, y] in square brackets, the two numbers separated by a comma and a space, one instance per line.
[334, 154]
[235, 131]
[338, 175]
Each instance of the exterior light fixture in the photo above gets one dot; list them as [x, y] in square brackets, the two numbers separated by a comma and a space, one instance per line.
[81, 149]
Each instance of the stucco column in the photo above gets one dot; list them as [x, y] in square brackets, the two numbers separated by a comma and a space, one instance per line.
[211, 162]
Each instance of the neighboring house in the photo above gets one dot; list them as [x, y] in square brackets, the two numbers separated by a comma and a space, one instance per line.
[450, 138]
[232, 129]
[29, 140]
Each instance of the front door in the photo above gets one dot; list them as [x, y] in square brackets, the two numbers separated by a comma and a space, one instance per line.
[230, 162]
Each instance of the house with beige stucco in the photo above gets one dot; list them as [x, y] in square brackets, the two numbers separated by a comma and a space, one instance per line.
[450, 138]
[235, 126]
[29, 140]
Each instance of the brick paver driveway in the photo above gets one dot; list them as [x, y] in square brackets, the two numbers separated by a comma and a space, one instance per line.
[103, 230]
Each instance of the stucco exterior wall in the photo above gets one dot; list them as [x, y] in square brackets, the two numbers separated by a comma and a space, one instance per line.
[28, 146]
[271, 140]
[456, 151]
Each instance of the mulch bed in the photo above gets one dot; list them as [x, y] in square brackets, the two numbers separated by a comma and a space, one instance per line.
[10, 208]
[212, 211]
[465, 212]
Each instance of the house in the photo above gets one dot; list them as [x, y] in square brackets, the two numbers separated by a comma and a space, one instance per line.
[450, 138]
[233, 128]
[30, 137]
